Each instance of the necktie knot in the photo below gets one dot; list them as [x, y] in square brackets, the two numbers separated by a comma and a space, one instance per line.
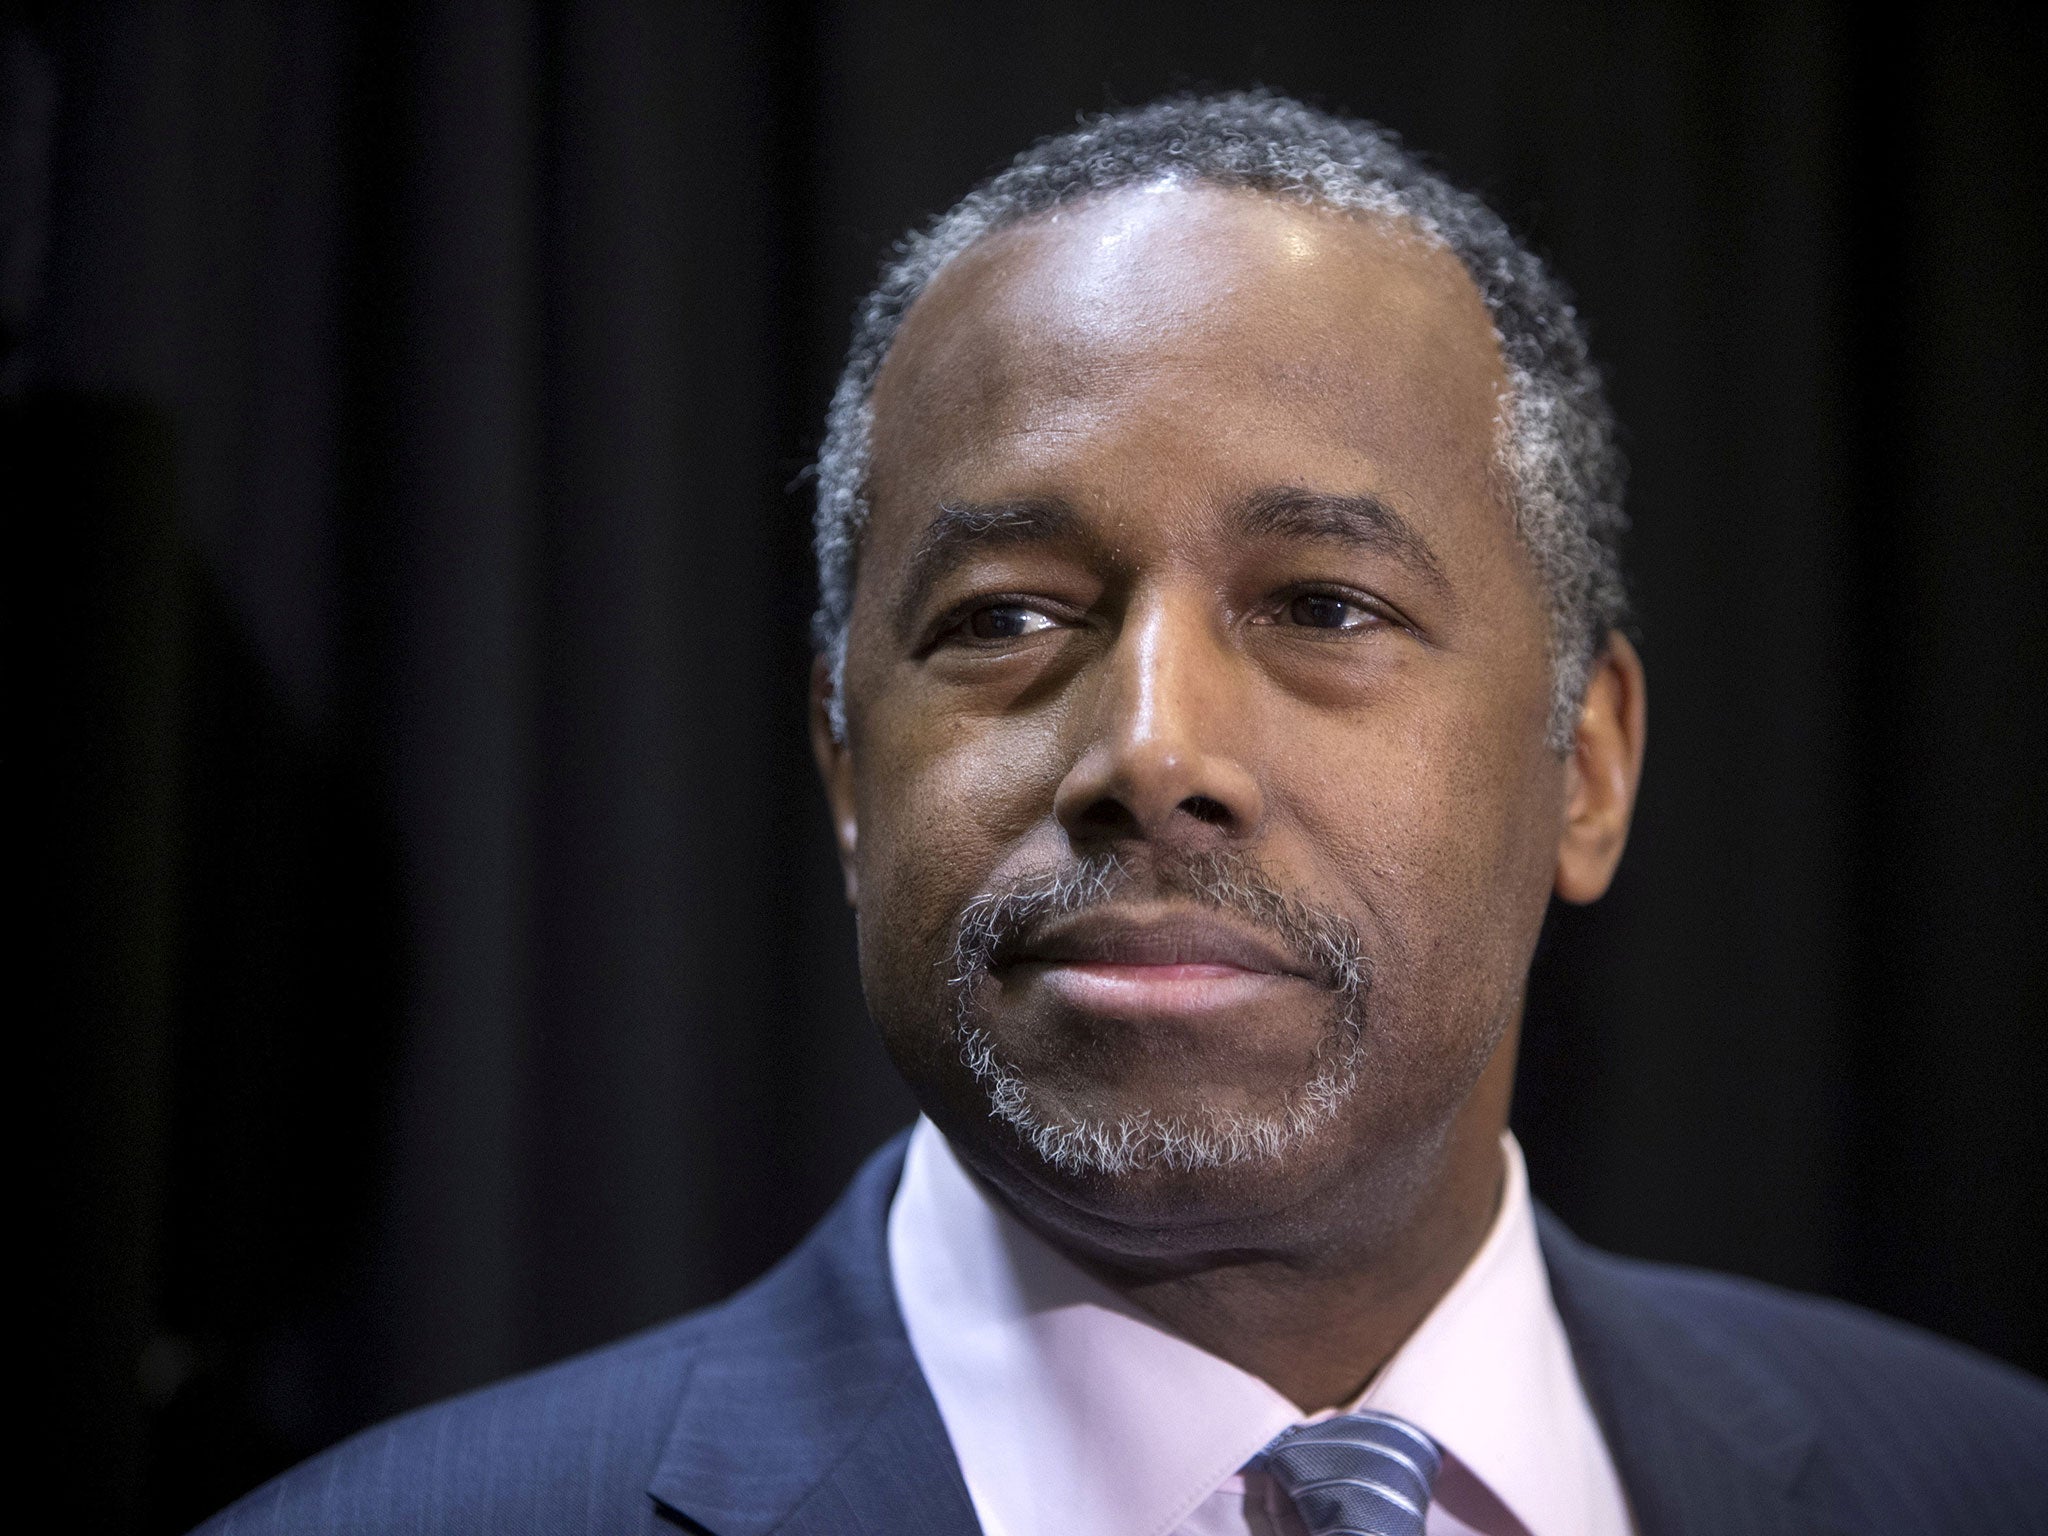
[1359, 1474]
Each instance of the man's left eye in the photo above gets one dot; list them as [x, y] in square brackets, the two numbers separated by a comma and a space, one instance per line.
[1005, 621]
[1321, 610]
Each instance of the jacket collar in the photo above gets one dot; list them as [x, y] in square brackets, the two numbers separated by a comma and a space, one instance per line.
[805, 1410]
[1704, 1440]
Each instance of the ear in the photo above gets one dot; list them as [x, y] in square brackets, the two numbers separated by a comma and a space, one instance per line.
[835, 768]
[1605, 768]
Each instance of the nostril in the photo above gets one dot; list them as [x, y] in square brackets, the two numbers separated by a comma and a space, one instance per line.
[1214, 812]
[1107, 815]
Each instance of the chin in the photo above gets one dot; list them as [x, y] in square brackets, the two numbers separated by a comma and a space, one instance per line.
[1157, 1134]
[1137, 1190]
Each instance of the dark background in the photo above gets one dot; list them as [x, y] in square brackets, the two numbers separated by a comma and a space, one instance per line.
[433, 958]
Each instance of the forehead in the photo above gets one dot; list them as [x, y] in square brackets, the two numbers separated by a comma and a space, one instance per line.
[1265, 337]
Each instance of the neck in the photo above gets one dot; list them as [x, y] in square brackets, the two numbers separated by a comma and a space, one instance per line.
[1319, 1329]
[1319, 1309]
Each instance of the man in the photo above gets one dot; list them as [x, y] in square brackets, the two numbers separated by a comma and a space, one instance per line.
[1218, 674]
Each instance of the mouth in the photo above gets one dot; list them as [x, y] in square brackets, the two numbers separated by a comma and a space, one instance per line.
[1165, 964]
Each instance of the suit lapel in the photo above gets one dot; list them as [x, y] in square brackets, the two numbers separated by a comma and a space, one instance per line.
[805, 1411]
[899, 1475]
[1706, 1444]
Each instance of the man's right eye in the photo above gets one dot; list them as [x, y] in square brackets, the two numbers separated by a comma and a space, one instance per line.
[1004, 621]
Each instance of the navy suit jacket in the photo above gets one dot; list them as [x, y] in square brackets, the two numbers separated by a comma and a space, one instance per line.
[796, 1407]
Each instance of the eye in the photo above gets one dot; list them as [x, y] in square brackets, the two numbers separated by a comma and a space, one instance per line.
[1325, 610]
[1004, 621]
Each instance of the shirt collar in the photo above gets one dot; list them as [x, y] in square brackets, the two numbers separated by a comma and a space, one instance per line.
[1072, 1411]
[1489, 1373]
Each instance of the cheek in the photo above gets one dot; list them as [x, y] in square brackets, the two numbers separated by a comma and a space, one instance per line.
[1438, 829]
[944, 800]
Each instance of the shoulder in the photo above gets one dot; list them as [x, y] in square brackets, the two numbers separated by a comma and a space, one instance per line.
[799, 1360]
[1885, 1405]
[568, 1448]
[1835, 1353]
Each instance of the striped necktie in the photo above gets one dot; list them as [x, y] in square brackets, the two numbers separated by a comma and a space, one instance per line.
[1359, 1474]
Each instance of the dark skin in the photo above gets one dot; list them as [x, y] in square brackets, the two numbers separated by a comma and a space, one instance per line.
[1187, 535]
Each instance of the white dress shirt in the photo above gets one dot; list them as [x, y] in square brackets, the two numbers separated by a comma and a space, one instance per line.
[1073, 1413]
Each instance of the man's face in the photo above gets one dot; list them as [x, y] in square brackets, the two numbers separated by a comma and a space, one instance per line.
[1195, 797]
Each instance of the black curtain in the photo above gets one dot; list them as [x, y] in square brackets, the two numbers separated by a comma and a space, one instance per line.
[432, 960]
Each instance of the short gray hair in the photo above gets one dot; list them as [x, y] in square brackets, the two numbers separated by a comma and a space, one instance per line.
[1557, 446]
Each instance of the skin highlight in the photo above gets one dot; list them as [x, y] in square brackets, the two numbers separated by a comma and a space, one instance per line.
[1188, 538]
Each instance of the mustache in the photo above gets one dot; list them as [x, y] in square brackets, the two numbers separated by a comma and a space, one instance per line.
[999, 922]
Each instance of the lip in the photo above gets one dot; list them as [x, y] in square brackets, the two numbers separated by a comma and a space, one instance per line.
[1168, 964]
[1166, 939]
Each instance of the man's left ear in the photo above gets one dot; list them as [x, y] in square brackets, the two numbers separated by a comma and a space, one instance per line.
[1605, 768]
[835, 769]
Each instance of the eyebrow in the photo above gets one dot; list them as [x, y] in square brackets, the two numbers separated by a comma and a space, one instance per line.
[1359, 518]
[960, 529]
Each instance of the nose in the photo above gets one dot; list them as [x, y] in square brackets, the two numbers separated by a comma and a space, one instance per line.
[1163, 755]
